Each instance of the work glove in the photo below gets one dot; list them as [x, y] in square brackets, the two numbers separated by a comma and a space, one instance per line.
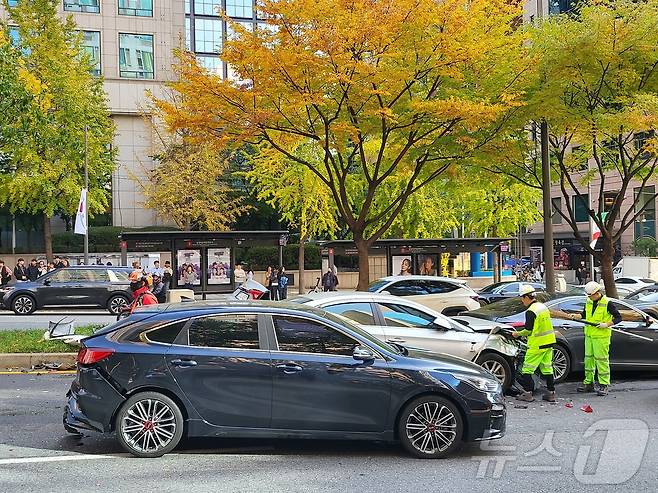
[603, 325]
[516, 334]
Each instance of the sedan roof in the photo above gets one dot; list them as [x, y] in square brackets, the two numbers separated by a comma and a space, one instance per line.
[422, 278]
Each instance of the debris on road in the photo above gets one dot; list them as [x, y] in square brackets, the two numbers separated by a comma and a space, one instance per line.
[587, 408]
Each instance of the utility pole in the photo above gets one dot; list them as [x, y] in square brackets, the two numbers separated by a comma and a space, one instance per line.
[549, 272]
[86, 248]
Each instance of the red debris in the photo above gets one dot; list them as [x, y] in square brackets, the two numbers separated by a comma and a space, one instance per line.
[569, 404]
[587, 408]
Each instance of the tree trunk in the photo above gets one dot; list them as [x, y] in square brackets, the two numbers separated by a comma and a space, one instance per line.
[47, 238]
[364, 267]
[607, 278]
[300, 261]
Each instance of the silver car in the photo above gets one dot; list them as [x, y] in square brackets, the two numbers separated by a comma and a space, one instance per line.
[402, 321]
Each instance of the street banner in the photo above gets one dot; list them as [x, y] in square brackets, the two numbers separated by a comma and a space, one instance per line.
[81, 216]
[596, 232]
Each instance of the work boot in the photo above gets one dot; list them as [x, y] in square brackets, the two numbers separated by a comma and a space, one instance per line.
[525, 396]
[602, 390]
[549, 396]
[585, 387]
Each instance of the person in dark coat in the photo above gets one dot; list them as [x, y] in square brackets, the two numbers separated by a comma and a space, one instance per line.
[329, 280]
[20, 271]
[33, 270]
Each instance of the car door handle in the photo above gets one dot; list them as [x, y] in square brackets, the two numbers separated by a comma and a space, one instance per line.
[289, 368]
[183, 363]
[396, 339]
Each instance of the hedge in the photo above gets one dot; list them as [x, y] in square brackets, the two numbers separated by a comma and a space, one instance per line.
[101, 239]
[259, 257]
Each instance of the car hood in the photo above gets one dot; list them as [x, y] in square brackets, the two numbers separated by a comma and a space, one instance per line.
[444, 362]
[478, 324]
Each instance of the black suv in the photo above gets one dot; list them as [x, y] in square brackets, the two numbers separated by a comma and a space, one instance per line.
[82, 285]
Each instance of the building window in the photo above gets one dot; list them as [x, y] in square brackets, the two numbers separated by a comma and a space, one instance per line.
[91, 44]
[212, 64]
[207, 7]
[641, 140]
[12, 3]
[188, 36]
[138, 8]
[580, 208]
[556, 7]
[207, 35]
[136, 56]
[89, 6]
[609, 200]
[239, 8]
[14, 35]
[556, 218]
[645, 224]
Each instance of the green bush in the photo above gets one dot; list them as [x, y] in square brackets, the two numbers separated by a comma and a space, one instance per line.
[259, 257]
[101, 239]
[645, 247]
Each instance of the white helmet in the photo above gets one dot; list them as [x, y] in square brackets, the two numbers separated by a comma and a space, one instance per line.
[527, 290]
[592, 287]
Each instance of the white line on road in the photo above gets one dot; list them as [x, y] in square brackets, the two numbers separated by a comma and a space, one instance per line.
[61, 458]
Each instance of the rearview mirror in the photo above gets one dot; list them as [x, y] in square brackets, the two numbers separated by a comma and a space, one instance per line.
[362, 353]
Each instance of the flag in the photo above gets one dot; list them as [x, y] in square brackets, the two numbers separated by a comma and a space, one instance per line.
[81, 216]
[596, 232]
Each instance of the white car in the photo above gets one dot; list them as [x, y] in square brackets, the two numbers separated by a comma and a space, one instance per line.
[402, 321]
[442, 294]
[634, 282]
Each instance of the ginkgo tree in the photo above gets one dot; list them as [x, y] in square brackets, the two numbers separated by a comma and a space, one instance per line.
[296, 192]
[382, 90]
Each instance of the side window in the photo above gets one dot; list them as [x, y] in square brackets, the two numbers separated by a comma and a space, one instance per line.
[438, 287]
[118, 275]
[234, 331]
[61, 275]
[91, 275]
[624, 280]
[359, 312]
[407, 288]
[511, 288]
[404, 316]
[572, 306]
[166, 334]
[298, 335]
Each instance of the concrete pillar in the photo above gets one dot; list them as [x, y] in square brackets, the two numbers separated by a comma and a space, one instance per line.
[475, 262]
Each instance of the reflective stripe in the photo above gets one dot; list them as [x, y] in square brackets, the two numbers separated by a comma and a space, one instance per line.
[542, 331]
[545, 333]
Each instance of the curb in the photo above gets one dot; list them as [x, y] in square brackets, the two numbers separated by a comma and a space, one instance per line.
[28, 360]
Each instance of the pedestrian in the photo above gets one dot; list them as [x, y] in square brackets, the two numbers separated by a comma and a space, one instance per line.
[42, 268]
[140, 291]
[189, 277]
[159, 288]
[600, 314]
[329, 280]
[542, 270]
[33, 270]
[274, 284]
[51, 267]
[239, 274]
[156, 269]
[283, 283]
[20, 271]
[5, 274]
[541, 339]
[57, 262]
[268, 274]
[167, 274]
[66, 263]
[250, 274]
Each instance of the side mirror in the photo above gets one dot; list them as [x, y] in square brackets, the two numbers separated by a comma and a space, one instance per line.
[385, 292]
[648, 322]
[46, 282]
[362, 353]
[495, 330]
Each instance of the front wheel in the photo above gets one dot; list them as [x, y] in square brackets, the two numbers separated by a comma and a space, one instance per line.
[498, 366]
[561, 364]
[149, 424]
[23, 304]
[431, 427]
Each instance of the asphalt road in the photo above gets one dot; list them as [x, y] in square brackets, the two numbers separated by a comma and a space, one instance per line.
[548, 448]
[40, 319]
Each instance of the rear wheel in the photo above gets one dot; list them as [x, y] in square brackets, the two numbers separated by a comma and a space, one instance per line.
[23, 304]
[149, 425]
[431, 427]
[116, 303]
[498, 366]
[561, 363]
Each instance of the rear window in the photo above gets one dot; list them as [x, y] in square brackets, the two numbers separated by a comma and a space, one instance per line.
[166, 334]
[375, 286]
[118, 275]
[504, 308]
[234, 331]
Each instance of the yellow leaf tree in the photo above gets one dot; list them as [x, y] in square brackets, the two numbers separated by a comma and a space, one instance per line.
[382, 90]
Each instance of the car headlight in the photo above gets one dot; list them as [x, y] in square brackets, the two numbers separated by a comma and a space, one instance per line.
[479, 383]
[6, 289]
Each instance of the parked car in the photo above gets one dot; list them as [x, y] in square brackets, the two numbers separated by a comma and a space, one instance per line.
[442, 294]
[266, 369]
[645, 299]
[103, 286]
[503, 290]
[626, 353]
[634, 282]
[402, 321]
[622, 292]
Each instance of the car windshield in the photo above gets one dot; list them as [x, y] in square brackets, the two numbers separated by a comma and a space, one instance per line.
[504, 308]
[491, 287]
[375, 286]
[651, 297]
[377, 343]
[299, 299]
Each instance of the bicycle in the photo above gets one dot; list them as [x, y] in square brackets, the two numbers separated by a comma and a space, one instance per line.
[317, 288]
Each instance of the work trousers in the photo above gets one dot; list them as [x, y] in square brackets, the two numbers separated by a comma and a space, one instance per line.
[537, 358]
[597, 359]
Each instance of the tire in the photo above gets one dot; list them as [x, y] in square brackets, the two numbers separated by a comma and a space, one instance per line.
[437, 442]
[143, 436]
[23, 304]
[561, 360]
[499, 367]
[115, 303]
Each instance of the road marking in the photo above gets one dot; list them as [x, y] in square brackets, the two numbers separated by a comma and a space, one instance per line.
[39, 372]
[62, 458]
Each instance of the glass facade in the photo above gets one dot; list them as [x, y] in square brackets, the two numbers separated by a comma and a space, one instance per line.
[556, 218]
[138, 8]
[91, 44]
[645, 224]
[240, 8]
[89, 6]
[12, 3]
[580, 206]
[208, 35]
[136, 56]
[14, 35]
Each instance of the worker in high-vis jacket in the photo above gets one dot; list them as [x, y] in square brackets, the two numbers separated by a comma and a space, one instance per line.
[601, 315]
[541, 339]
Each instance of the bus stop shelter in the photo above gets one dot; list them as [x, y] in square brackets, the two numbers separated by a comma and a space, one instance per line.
[211, 254]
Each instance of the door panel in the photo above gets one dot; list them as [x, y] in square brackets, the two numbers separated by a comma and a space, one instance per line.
[319, 386]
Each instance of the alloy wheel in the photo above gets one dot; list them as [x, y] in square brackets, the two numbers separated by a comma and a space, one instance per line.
[496, 369]
[431, 427]
[148, 426]
[559, 364]
[116, 304]
[23, 305]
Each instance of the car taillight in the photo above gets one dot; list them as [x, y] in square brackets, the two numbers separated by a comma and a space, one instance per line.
[89, 356]
[516, 325]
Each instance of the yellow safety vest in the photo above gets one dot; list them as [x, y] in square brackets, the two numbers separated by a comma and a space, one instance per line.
[542, 332]
[598, 316]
